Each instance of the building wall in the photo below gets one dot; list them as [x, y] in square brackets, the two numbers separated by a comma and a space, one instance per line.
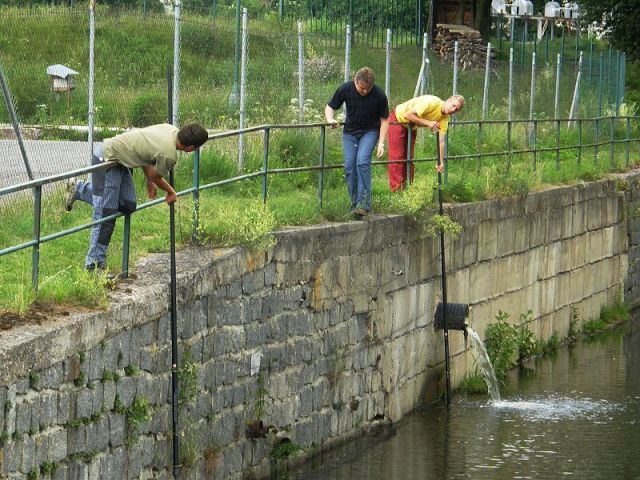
[342, 315]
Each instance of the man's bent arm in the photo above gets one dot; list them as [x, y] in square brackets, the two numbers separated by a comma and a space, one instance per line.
[153, 175]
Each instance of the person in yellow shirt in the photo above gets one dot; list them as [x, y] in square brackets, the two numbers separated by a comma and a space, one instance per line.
[424, 111]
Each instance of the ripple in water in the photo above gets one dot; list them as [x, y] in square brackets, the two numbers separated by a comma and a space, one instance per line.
[556, 408]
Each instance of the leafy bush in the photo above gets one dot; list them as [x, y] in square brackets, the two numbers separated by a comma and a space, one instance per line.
[322, 68]
[474, 383]
[147, 109]
[501, 340]
[528, 345]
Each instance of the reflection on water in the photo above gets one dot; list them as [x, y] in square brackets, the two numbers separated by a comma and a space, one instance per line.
[574, 414]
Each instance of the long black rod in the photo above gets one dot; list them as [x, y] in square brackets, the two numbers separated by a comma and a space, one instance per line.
[444, 280]
[174, 340]
[174, 310]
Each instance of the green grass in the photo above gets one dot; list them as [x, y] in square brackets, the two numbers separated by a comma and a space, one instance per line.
[609, 315]
[132, 55]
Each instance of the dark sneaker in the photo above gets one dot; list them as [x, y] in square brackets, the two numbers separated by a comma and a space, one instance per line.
[70, 196]
[360, 212]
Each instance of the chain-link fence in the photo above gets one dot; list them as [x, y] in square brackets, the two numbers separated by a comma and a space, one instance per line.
[134, 61]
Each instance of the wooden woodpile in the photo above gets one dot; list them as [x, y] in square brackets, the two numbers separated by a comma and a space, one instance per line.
[472, 52]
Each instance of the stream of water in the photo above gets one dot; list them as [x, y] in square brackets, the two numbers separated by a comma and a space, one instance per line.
[573, 414]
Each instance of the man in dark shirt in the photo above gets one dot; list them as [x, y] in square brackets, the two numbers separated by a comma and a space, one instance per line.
[367, 123]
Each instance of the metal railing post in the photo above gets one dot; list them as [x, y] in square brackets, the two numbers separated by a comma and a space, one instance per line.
[626, 156]
[409, 160]
[480, 148]
[35, 251]
[579, 141]
[612, 145]
[126, 242]
[196, 195]
[322, 152]
[265, 163]
[535, 144]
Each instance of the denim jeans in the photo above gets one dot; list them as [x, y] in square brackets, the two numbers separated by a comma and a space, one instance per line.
[109, 192]
[357, 167]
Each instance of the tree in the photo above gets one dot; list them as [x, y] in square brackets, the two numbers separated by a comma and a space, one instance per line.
[620, 20]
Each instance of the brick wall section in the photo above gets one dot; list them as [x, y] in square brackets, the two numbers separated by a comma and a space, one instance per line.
[342, 314]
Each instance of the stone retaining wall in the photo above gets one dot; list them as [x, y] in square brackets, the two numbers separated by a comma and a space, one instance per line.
[342, 315]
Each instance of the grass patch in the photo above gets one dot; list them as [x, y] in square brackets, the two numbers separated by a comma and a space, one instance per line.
[132, 84]
[609, 315]
[474, 384]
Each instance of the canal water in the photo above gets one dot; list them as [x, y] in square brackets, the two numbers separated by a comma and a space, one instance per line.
[573, 414]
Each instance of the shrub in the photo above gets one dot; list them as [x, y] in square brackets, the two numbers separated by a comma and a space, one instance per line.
[147, 109]
[322, 68]
[501, 340]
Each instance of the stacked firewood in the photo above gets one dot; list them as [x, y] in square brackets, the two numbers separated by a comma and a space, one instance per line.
[472, 52]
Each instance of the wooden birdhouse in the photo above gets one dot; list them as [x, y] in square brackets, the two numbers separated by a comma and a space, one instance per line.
[62, 78]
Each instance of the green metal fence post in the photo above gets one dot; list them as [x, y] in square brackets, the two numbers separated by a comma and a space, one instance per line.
[409, 160]
[480, 140]
[35, 251]
[628, 133]
[196, 195]
[322, 151]
[126, 241]
[535, 144]
[265, 163]
[579, 141]
[612, 145]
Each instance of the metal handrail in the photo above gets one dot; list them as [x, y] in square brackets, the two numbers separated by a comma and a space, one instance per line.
[37, 184]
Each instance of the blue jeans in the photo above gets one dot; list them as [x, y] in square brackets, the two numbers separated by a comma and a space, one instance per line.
[108, 192]
[357, 167]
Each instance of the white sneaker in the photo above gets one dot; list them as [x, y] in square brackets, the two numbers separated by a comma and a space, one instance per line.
[70, 196]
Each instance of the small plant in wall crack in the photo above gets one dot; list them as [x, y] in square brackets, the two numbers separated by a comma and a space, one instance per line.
[255, 426]
[260, 403]
[212, 458]
[443, 224]
[187, 379]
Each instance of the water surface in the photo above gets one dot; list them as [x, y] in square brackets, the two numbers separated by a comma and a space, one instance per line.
[574, 414]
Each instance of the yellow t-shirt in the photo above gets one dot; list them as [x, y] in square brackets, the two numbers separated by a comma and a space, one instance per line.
[154, 146]
[427, 107]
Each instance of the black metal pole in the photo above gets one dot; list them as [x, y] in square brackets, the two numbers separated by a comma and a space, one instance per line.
[174, 340]
[173, 308]
[443, 269]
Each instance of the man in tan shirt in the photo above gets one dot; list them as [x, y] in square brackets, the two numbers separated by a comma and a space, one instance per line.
[111, 190]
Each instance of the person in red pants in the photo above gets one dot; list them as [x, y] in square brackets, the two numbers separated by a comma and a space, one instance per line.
[424, 111]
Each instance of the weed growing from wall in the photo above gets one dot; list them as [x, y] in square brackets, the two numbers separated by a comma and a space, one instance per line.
[260, 402]
[187, 379]
[474, 383]
[609, 315]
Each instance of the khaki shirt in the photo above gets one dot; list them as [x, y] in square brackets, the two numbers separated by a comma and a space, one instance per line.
[427, 107]
[154, 146]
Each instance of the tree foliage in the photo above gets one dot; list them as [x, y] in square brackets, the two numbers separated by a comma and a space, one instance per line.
[620, 20]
